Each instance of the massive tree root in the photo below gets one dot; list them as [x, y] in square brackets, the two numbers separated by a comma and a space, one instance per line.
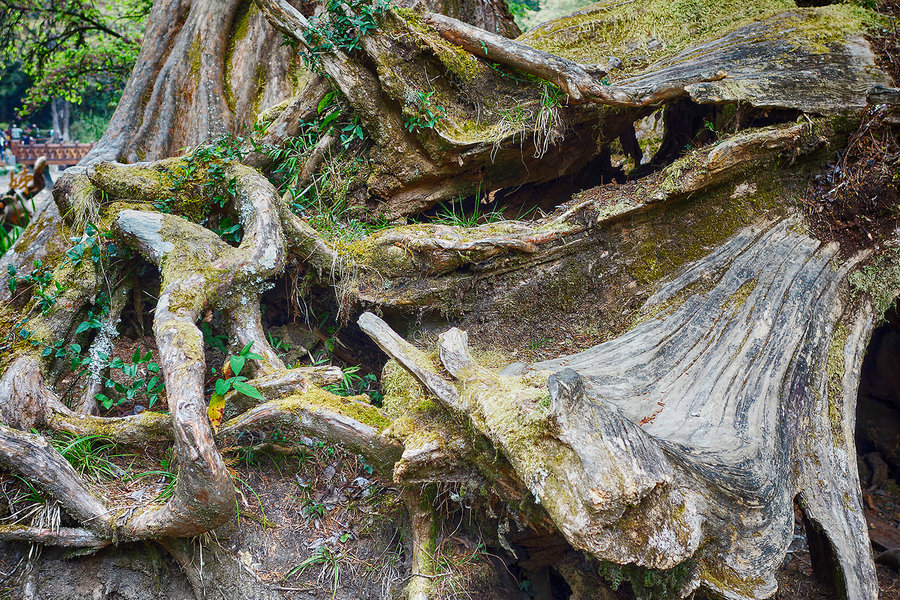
[621, 466]
[674, 450]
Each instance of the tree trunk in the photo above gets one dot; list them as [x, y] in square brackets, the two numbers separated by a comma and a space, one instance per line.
[709, 328]
[54, 106]
[65, 118]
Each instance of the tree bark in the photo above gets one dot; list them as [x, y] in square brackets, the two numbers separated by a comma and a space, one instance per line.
[719, 385]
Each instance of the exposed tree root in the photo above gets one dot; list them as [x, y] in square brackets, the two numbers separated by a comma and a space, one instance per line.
[573, 78]
[573, 447]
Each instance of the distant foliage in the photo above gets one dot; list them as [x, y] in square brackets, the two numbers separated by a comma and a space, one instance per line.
[71, 47]
[89, 127]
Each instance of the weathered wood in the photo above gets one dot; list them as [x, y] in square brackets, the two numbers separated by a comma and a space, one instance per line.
[571, 77]
[707, 412]
[348, 421]
[880, 94]
[681, 442]
[32, 457]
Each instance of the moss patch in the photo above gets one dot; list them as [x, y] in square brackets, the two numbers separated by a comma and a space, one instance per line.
[643, 32]
[834, 372]
[879, 279]
[355, 407]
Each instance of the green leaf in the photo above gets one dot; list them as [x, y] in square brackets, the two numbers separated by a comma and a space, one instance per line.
[237, 363]
[103, 399]
[324, 102]
[222, 386]
[82, 327]
[248, 390]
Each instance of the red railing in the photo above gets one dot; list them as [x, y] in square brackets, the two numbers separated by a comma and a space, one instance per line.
[66, 154]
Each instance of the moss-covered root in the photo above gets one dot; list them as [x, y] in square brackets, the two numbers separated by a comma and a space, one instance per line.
[199, 271]
[572, 78]
[424, 524]
[35, 460]
[704, 168]
[144, 428]
[350, 421]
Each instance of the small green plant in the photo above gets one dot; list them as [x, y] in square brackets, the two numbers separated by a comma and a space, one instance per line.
[166, 474]
[89, 454]
[278, 345]
[352, 131]
[453, 214]
[238, 381]
[427, 113]
[212, 340]
[344, 24]
[228, 230]
[537, 343]
[647, 584]
[329, 559]
[142, 377]
[355, 384]
[45, 289]
[90, 246]
[314, 510]
[10, 232]
[8, 236]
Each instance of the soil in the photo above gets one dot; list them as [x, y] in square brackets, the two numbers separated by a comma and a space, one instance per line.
[854, 200]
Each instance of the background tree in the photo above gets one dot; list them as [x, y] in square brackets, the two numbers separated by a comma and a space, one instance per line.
[71, 49]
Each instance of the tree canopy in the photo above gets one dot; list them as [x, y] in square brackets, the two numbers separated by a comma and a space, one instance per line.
[72, 46]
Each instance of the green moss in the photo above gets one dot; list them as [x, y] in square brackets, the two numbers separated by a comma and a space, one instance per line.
[256, 102]
[387, 259]
[194, 56]
[717, 575]
[647, 583]
[416, 420]
[834, 372]
[242, 21]
[403, 395]
[669, 306]
[355, 407]
[239, 32]
[270, 114]
[625, 30]
[879, 279]
[190, 340]
[710, 222]
[737, 299]
[818, 29]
